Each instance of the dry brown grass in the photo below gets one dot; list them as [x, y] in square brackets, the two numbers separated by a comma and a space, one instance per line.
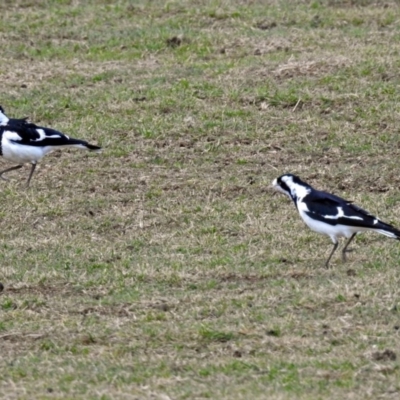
[165, 267]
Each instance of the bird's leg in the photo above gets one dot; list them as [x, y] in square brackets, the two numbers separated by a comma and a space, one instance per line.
[344, 251]
[30, 175]
[8, 170]
[335, 246]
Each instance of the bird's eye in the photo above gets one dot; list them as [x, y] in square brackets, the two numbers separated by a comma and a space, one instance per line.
[284, 186]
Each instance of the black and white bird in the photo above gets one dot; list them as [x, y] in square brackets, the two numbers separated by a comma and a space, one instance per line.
[24, 142]
[331, 215]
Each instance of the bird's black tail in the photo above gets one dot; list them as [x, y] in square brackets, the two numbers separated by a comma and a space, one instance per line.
[92, 147]
[387, 230]
[81, 144]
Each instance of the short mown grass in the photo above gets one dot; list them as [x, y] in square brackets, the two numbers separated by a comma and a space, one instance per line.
[165, 267]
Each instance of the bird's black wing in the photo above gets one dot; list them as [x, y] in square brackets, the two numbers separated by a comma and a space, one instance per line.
[33, 135]
[21, 133]
[334, 210]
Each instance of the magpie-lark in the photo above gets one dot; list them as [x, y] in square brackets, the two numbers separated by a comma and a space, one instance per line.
[329, 214]
[24, 142]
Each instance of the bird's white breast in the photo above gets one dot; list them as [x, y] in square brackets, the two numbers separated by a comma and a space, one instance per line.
[20, 153]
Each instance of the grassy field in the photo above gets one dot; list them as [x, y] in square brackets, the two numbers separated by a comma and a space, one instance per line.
[165, 267]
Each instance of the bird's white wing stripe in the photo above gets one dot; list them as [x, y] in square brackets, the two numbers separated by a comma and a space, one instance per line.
[341, 214]
[354, 217]
[345, 216]
[43, 135]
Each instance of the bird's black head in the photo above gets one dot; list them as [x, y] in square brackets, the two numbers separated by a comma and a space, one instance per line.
[291, 185]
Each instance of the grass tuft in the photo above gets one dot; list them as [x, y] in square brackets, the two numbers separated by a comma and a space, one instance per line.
[165, 267]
